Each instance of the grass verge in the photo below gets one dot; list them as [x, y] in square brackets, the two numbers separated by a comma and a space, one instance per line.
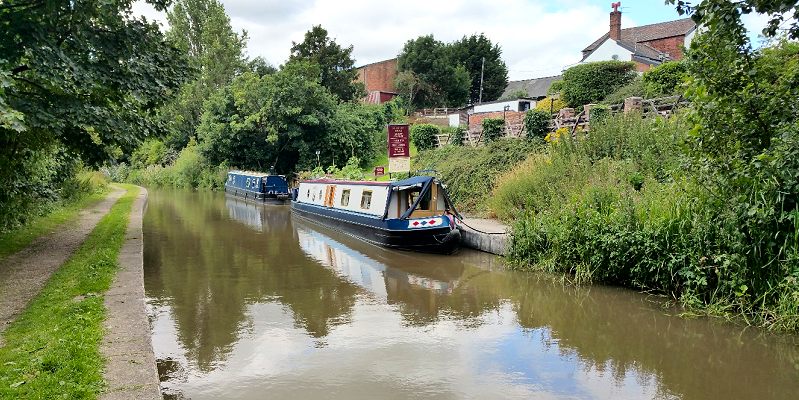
[53, 349]
[17, 239]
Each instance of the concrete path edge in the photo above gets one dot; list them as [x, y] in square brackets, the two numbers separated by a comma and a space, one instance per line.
[130, 371]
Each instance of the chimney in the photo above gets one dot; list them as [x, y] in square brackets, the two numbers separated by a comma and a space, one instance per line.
[615, 22]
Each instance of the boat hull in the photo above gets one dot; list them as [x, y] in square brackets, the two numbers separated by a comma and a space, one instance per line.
[261, 198]
[441, 239]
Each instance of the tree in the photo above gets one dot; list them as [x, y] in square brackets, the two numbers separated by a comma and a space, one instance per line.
[337, 66]
[281, 119]
[470, 52]
[591, 82]
[745, 146]
[724, 14]
[664, 79]
[80, 80]
[442, 82]
[202, 29]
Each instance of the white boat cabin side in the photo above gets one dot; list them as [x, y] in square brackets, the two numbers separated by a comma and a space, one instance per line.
[371, 198]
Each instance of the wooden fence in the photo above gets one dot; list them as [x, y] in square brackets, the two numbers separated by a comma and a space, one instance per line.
[567, 118]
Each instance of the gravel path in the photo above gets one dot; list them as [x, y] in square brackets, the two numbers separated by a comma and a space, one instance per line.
[130, 371]
[24, 274]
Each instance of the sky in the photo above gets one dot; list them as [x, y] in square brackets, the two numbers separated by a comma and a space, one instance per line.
[538, 38]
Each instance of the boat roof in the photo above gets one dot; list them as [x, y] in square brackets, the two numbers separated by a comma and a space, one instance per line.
[416, 180]
[252, 173]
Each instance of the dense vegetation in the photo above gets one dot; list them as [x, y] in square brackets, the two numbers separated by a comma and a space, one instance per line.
[702, 207]
[471, 172]
[240, 113]
[589, 83]
[81, 83]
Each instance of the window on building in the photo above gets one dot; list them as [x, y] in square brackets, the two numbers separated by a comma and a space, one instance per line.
[366, 199]
[345, 197]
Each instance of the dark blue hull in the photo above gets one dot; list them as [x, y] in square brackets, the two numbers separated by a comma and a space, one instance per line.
[257, 196]
[387, 233]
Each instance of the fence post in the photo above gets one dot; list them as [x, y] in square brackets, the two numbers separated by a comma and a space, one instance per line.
[633, 104]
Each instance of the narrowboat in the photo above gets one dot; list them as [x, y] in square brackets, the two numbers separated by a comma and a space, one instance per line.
[257, 186]
[412, 214]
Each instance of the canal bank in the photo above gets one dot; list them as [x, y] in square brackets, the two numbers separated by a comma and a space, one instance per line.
[130, 369]
[488, 235]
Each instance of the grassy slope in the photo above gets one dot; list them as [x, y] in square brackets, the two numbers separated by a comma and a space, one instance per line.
[17, 239]
[52, 349]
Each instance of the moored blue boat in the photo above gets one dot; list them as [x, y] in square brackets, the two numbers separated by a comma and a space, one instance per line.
[257, 186]
[412, 214]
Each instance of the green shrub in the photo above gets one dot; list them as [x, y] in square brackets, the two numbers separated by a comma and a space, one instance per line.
[150, 152]
[550, 104]
[536, 123]
[458, 136]
[632, 89]
[598, 113]
[493, 129]
[664, 79]
[589, 83]
[423, 136]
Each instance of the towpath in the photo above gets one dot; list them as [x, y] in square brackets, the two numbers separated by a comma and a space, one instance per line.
[24, 274]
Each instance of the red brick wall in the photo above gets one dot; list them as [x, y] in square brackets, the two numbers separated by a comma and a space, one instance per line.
[641, 67]
[672, 45]
[379, 76]
[512, 117]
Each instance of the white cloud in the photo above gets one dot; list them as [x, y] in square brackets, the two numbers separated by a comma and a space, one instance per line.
[538, 38]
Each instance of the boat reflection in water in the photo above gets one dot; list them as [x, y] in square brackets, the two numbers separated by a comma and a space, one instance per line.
[359, 269]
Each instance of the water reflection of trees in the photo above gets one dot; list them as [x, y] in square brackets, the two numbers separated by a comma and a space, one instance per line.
[209, 268]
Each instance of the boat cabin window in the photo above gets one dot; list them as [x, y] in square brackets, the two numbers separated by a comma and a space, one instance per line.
[414, 194]
[308, 195]
[366, 199]
[248, 182]
[345, 197]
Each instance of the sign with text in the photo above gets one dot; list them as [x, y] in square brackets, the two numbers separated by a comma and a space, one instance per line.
[380, 171]
[398, 137]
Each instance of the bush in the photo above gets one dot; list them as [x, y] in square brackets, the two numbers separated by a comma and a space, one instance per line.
[632, 89]
[664, 79]
[423, 136]
[150, 152]
[493, 129]
[536, 123]
[550, 104]
[457, 136]
[589, 83]
[598, 113]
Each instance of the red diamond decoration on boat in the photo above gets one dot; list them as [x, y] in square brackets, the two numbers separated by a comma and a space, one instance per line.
[416, 223]
[432, 221]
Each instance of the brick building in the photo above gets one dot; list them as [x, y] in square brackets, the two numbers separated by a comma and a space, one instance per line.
[378, 78]
[647, 45]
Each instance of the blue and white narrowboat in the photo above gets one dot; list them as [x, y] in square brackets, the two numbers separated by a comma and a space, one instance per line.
[257, 186]
[412, 214]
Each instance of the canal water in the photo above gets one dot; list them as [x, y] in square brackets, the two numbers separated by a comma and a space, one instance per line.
[248, 302]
